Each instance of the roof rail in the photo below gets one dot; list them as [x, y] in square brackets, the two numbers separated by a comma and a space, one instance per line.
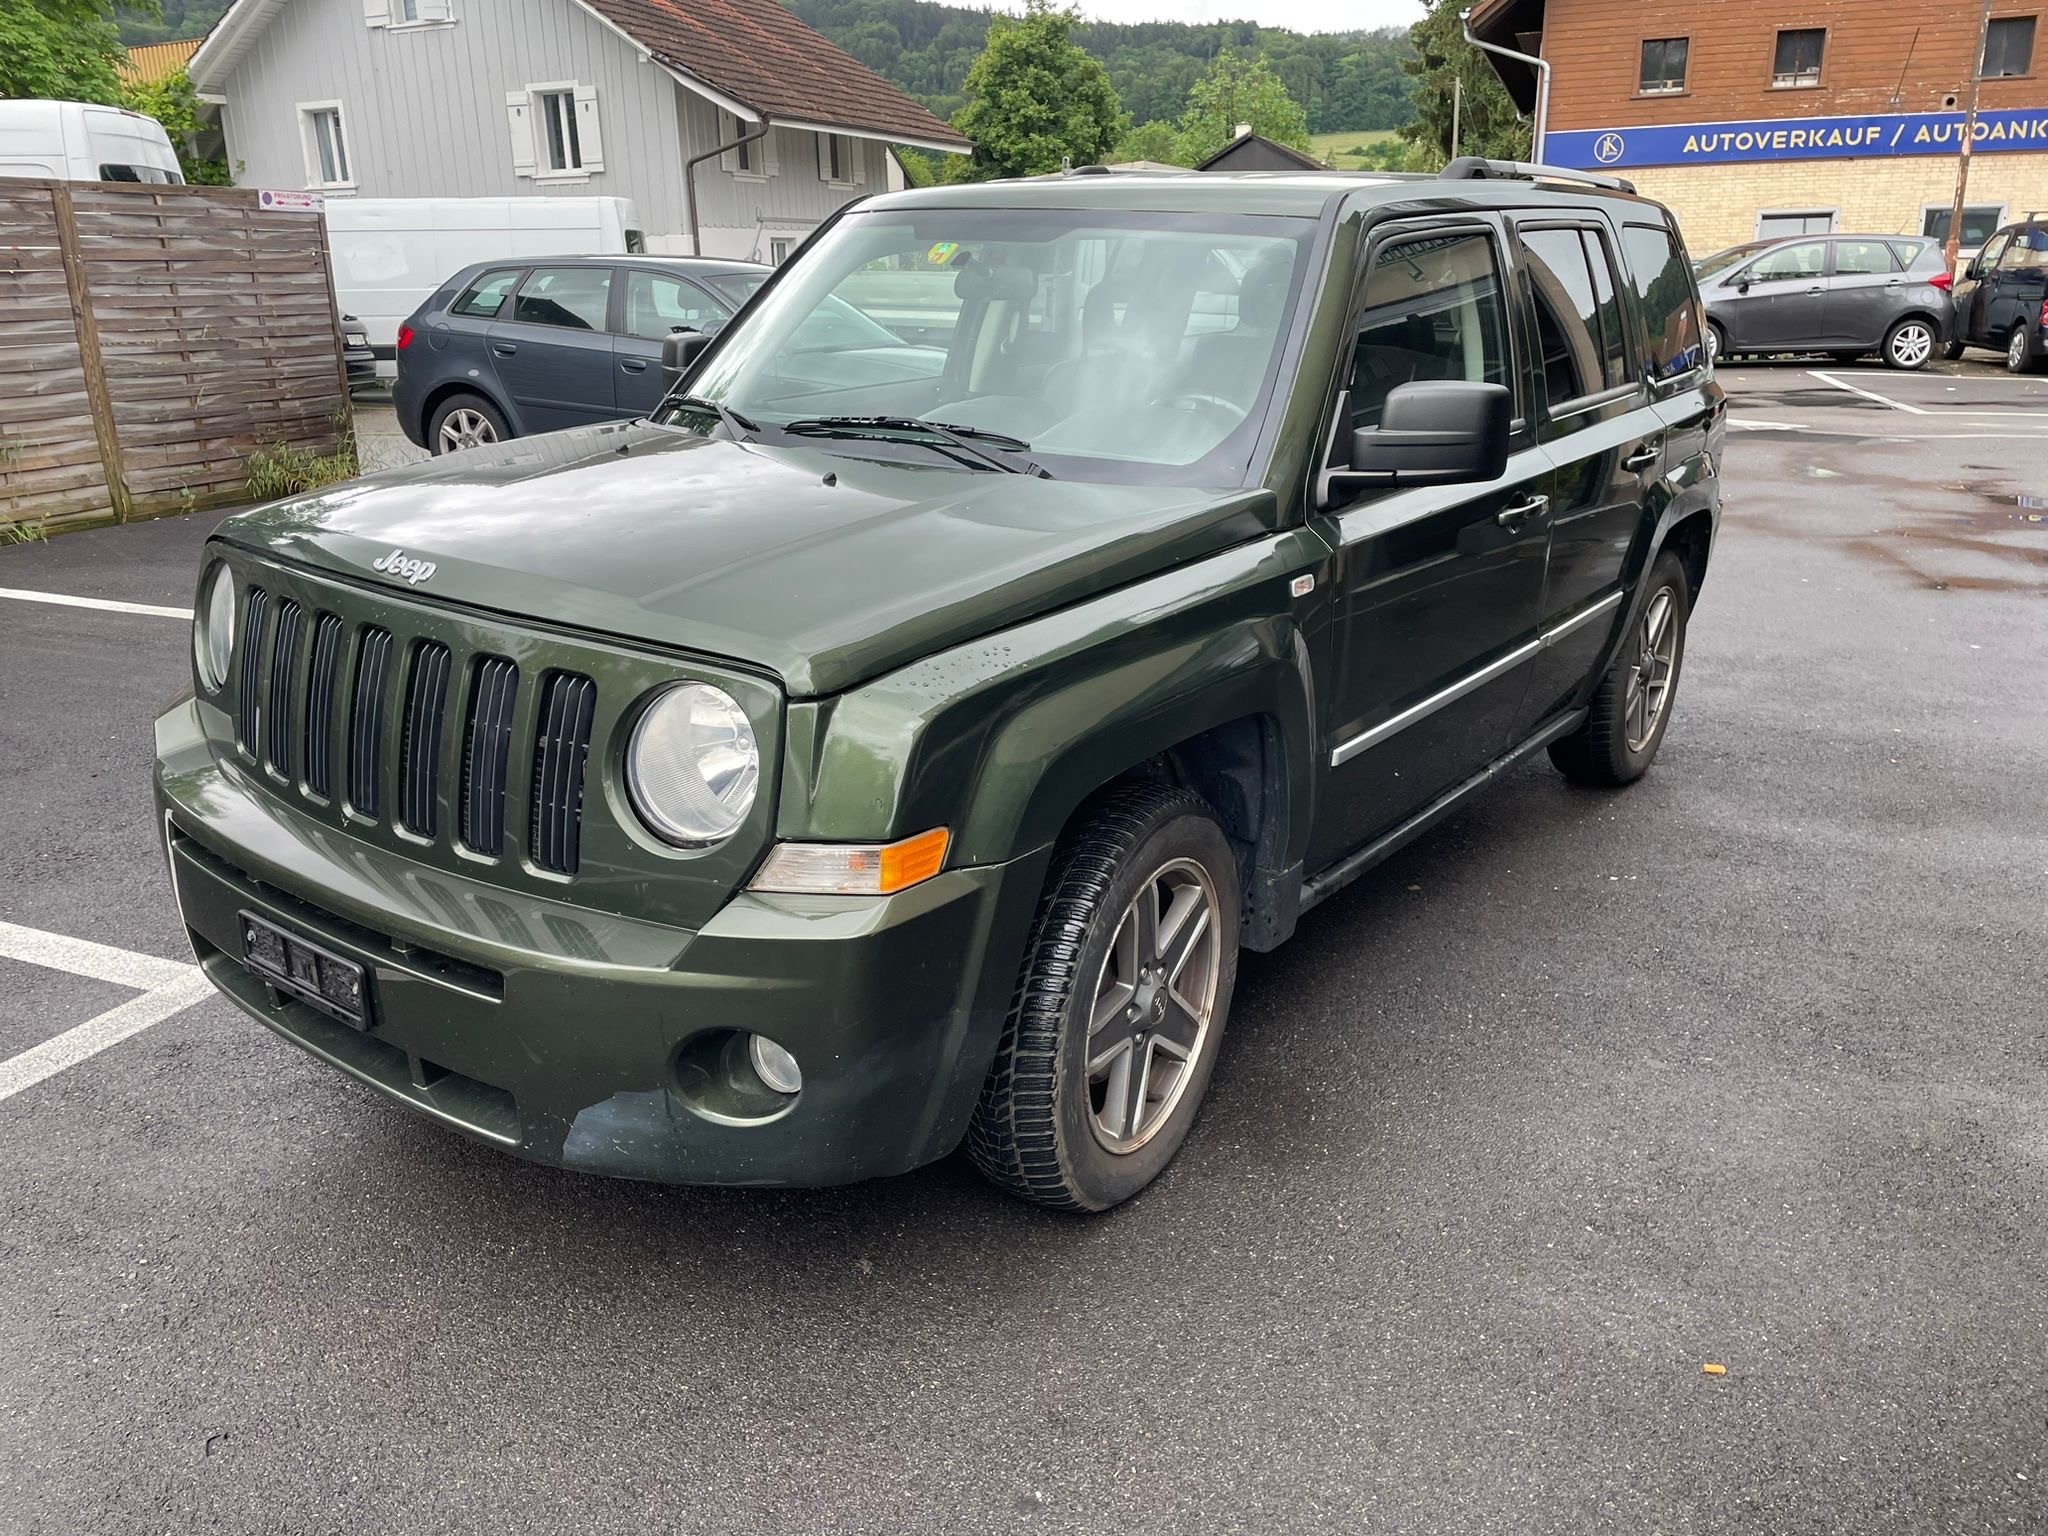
[1473, 168]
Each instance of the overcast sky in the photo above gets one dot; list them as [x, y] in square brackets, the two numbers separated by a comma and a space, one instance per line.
[1302, 15]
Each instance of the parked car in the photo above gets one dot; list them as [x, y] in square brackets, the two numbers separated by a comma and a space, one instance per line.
[1841, 294]
[356, 355]
[848, 762]
[2001, 298]
[83, 141]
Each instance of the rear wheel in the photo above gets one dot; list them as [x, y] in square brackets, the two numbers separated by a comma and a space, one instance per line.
[1625, 723]
[1119, 1012]
[1717, 342]
[1952, 351]
[1909, 344]
[2019, 356]
[465, 421]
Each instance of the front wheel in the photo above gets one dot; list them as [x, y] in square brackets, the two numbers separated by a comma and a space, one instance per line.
[1952, 351]
[1625, 722]
[1119, 1012]
[1909, 344]
[1717, 342]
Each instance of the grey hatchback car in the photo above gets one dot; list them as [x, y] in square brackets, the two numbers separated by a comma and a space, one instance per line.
[505, 349]
[1841, 294]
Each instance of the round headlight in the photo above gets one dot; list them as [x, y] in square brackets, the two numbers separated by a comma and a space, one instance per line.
[213, 637]
[693, 767]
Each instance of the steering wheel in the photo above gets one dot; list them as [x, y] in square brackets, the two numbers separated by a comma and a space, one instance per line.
[1193, 401]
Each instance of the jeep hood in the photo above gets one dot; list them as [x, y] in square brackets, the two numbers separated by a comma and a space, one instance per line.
[820, 568]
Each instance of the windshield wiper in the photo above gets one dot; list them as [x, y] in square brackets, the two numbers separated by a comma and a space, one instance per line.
[965, 441]
[735, 423]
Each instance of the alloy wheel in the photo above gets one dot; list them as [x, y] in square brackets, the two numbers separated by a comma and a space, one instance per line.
[1912, 345]
[2016, 350]
[1153, 1005]
[1649, 678]
[465, 428]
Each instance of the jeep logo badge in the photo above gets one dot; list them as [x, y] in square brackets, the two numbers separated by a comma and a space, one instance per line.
[398, 563]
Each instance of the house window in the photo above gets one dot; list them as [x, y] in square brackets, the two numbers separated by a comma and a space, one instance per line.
[561, 148]
[2008, 47]
[1980, 222]
[408, 10]
[554, 130]
[1776, 226]
[1663, 65]
[1798, 57]
[755, 157]
[407, 13]
[325, 144]
[778, 252]
[837, 162]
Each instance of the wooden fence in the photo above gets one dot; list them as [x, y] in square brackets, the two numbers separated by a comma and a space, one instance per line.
[152, 338]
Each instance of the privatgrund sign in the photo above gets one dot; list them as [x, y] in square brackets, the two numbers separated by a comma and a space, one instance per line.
[1796, 138]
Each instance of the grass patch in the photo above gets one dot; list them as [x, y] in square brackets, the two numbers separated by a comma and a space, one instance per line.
[1345, 150]
[289, 471]
[29, 530]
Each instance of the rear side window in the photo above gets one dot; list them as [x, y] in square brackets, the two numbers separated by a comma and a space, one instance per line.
[1918, 256]
[483, 298]
[1665, 294]
[1864, 258]
[1578, 323]
[574, 298]
[1433, 310]
[657, 306]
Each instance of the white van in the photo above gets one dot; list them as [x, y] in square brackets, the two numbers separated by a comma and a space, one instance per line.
[78, 141]
[391, 253]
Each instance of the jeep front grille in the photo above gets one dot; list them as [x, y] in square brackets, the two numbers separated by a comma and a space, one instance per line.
[567, 708]
[326, 667]
[419, 749]
[284, 654]
[487, 746]
[366, 723]
[255, 611]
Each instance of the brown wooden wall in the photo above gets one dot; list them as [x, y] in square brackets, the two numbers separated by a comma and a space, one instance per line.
[153, 338]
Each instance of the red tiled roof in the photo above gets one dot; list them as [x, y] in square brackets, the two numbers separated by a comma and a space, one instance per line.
[757, 52]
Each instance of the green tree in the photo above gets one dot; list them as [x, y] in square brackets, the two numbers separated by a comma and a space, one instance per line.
[1148, 141]
[1488, 124]
[67, 50]
[1238, 89]
[1035, 99]
[172, 102]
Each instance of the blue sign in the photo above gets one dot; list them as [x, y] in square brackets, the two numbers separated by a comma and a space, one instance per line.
[1796, 138]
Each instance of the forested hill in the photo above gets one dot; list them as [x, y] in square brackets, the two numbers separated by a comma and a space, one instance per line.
[1345, 80]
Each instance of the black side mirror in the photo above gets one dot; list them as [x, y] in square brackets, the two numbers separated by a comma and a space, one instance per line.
[679, 349]
[1972, 270]
[1742, 285]
[1438, 432]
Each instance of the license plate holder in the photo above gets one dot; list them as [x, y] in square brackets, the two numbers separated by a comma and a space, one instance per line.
[310, 972]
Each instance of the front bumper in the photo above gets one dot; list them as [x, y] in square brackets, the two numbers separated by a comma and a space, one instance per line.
[600, 1042]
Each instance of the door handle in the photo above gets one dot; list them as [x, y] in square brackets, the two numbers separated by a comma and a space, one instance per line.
[1522, 511]
[1816, 288]
[1644, 456]
[633, 364]
[503, 348]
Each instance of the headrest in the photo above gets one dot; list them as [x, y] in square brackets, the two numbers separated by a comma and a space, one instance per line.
[1263, 294]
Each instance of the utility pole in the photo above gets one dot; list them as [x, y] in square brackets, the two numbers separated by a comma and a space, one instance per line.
[1457, 108]
[1955, 217]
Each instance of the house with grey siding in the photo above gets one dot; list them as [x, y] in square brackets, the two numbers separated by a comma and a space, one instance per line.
[732, 126]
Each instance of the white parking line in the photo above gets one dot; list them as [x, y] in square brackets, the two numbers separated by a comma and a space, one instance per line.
[166, 987]
[96, 1034]
[65, 600]
[1971, 411]
[1868, 394]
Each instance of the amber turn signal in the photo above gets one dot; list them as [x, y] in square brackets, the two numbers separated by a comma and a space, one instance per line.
[852, 869]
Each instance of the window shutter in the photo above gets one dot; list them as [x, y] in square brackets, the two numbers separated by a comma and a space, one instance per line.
[767, 150]
[434, 10]
[586, 128]
[377, 13]
[519, 114]
[824, 144]
[728, 130]
[857, 159]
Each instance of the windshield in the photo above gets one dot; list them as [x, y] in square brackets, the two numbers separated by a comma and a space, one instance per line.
[1118, 347]
[1721, 261]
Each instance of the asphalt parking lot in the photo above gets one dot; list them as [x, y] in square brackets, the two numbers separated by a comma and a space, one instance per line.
[1746, 1065]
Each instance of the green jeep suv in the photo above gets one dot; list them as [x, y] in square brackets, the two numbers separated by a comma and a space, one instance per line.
[892, 741]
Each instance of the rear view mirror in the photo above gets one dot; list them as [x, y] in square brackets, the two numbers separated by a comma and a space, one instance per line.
[1438, 432]
[679, 349]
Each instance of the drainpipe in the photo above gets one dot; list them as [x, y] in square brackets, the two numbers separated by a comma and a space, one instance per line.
[758, 131]
[1542, 68]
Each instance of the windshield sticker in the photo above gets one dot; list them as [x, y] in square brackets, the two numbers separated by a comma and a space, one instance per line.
[942, 253]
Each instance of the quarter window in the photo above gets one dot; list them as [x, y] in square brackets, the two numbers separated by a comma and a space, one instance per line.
[657, 306]
[1664, 65]
[1567, 314]
[1432, 311]
[486, 296]
[1798, 58]
[1613, 340]
[1864, 258]
[571, 297]
[325, 145]
[1664, 291]
[2008, 47]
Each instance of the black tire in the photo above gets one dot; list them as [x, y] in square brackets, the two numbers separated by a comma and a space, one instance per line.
[1035, 1130]
[1598, 752]
[492, 422]
[2019, 357]
[1717, 343]
[1845, 356]
[1909, 345]
[1952, 351]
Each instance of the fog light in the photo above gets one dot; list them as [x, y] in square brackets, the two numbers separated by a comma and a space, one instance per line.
[778, 1069]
